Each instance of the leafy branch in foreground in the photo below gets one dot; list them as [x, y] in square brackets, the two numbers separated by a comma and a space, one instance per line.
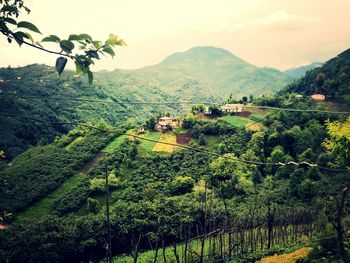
[81, 48]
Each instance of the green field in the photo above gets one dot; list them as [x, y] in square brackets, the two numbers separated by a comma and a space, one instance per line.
[147, 145]
[235, 120]
[45, 205]
[114, 144]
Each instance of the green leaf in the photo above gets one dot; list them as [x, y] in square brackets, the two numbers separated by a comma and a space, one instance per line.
[79, 68]
[66, 46]
[8, 8]
[92, 54]
[21, 35]
[85, 36]
[110, 42]
[60, 64]
[109, 51]
[51, 38]
[29, 26]
[90, 76]
[18, 36]
[3, 26]
[97, 44]
[10, 20]
[30, 37]
[74, 37]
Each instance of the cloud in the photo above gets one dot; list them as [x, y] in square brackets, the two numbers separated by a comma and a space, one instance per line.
[281, 20]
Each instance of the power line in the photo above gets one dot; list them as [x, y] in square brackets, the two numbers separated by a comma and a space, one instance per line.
[169, 103]
[107, 101]
[258, 121]
[297, 110]
[191, 148]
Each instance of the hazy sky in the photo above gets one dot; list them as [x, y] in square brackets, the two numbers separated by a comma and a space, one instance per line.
[273, 33]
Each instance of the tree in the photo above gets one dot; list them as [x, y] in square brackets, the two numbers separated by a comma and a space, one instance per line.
[201, 139]
[92, 205]
[151, 123]
[338, 143]
[133, 151]
[88, 49]
[197, 108]
[181, 185]
[336, 211]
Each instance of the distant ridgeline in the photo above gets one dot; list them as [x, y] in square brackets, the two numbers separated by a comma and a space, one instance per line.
[331, 79]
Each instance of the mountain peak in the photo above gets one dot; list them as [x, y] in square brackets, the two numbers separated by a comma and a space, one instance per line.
[201, 54]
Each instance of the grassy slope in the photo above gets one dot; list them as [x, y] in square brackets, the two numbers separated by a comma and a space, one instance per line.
[114, 144]
[74, 142]
[235, 120]
[148, 145]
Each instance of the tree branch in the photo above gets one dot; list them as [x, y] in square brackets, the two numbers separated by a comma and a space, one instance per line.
[13, 36]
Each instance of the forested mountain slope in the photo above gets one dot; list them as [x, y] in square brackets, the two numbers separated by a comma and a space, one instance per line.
[17, 133]
[331, 79]
[210, 71]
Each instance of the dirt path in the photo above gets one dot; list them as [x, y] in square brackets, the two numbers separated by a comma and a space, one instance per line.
[94, 160]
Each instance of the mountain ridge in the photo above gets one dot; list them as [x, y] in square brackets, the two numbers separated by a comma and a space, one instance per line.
[331, 79]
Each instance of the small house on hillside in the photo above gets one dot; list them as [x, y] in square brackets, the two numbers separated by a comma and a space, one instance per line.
[232, 107]
[318, 97]
[2, 81]
[299, 96]
[165, 122]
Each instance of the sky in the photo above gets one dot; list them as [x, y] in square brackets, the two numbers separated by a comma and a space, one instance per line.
[268, 33]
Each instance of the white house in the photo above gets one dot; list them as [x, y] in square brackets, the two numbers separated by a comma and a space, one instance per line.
[166, 121]
[232, 107]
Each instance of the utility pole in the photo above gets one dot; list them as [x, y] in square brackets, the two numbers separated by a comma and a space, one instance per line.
[109, 244]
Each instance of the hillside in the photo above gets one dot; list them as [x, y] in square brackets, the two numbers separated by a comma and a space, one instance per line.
[299, 72]
[229, 187]
[331, 79]
[17, 133]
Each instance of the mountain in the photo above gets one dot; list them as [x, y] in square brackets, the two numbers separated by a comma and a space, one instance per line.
[210, 71]
[331, 79]
[299, 72]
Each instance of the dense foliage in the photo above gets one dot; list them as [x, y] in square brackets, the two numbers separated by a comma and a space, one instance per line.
[162, 200]
[42, 169]
[26, 121]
